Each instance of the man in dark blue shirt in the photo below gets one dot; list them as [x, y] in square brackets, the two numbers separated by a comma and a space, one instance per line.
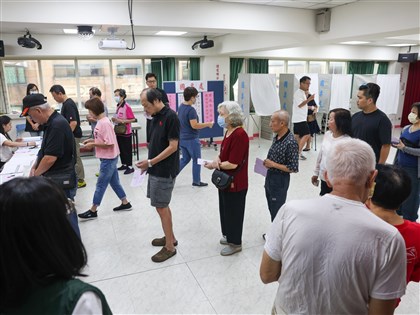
[282, 159]
[189, 141]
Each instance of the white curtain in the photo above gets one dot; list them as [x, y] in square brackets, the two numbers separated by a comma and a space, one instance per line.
[340, 91]
[264, 94]
[390, 93]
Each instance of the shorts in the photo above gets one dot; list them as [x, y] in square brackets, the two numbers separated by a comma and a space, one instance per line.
[159, 190]
[301, 129]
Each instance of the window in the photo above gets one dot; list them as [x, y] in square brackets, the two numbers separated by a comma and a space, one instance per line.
[296, 66]
[18, 74]
[183, 70]
[94, 73]
[64, 71]
[317, 67]
[276, 67]
[336, 67]
[128, 75]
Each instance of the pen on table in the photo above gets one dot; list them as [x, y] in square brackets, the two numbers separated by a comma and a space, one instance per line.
[13, 175]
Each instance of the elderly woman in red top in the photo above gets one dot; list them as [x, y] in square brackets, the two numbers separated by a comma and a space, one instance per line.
[233, 159]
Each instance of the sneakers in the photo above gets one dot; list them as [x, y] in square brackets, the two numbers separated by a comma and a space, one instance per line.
[88, 215]
[223, 241]
[163, 254]
[200, 184]
[122, 167]
[97, 174]
[230, 250]
[123, 207]
[129, 170]
[302, 157]
[306, 149]
[162, 242]
[81, 184]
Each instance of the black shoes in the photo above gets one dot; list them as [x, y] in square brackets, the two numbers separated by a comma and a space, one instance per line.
[201, 184]
[123, 207]
[122, 167]
[88, 215]
[129, 170]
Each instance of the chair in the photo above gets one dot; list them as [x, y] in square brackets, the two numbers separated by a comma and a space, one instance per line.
[20, 128]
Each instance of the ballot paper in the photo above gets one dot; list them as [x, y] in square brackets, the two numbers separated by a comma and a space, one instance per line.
[138, 178]
[259, 167]
[202, 161]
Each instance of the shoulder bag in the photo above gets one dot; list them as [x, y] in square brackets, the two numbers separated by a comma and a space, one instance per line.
[120, 129]
[223, 180]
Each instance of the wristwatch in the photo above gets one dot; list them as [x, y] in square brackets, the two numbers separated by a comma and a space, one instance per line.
[149, 163]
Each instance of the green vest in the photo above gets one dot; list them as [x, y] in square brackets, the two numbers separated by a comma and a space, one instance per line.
[60, 297]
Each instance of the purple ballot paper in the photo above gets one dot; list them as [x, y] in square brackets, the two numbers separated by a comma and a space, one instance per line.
[259, 167]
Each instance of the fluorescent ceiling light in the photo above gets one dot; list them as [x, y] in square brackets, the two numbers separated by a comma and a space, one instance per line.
[72, 31]
[354, 42]
[401, 45]
[170, 33]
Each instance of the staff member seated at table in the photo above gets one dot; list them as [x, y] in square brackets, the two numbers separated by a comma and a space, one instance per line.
[6, 142]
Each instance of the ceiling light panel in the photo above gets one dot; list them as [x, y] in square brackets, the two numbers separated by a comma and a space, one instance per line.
[170, 33]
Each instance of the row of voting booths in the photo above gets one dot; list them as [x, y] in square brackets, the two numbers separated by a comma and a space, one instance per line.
[331, 91]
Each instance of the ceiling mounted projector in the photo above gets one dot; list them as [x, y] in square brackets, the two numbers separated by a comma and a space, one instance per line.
[112, 42]
[28, 41]
[203, 44]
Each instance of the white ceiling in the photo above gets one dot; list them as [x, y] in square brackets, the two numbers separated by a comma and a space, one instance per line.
[256, 25]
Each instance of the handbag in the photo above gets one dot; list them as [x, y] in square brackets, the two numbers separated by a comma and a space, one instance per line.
[120, 129]
[65, 179]
[223, 180]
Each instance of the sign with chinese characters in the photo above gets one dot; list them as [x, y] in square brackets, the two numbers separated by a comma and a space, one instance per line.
[172, 101]
[208, 106]
[199, 85]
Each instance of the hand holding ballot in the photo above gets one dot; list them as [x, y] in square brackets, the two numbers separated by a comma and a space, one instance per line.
[260, 167]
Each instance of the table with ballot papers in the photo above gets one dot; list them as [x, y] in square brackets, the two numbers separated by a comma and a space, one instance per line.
[22, 161]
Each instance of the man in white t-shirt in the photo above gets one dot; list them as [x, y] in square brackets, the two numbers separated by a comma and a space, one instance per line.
[300, 113]
[331, 255]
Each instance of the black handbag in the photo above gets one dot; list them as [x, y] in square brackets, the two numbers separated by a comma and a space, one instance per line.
[220, 179]
[223, 180]
[63, 179]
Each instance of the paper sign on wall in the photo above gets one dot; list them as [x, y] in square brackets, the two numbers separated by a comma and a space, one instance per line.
[172, 101]
[208, 106]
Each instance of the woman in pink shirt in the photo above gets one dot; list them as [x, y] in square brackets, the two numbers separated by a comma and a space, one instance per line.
[124, 115]
[106, 148]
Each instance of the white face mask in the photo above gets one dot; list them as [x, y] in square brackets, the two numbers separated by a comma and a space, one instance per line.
[33, 92]
[412, 118]
[117, 99]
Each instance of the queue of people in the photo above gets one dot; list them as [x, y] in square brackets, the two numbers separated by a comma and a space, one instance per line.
[342, 252]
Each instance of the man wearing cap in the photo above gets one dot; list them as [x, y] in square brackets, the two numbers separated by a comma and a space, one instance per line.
[57, 153]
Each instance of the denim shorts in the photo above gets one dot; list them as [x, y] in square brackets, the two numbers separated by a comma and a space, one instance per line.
[159, 190]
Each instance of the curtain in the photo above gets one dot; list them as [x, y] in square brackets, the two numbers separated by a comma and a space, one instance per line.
[360, 67]
[194, 68]
[258, 66]
[235, 69]
[164, 67]
[412, 92]
[383, 67]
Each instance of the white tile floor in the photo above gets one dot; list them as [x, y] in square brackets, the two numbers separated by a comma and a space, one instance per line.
[197, 279]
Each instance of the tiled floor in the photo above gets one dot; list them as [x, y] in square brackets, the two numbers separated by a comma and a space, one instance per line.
[197, 279]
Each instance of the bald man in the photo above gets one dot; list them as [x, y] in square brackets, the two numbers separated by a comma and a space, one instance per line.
[282, 159]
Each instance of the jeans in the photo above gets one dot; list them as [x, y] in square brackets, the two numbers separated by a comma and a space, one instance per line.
[410, 207]
[108, 174]
[71, 193]
[276, 186]
[191, 150]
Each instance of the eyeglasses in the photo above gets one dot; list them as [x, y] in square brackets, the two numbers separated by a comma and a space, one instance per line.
[151, 81]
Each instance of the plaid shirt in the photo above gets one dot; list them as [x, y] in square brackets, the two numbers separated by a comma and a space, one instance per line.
[284, 151]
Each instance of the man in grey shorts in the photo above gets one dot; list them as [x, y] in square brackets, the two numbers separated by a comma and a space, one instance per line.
[162, 166]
